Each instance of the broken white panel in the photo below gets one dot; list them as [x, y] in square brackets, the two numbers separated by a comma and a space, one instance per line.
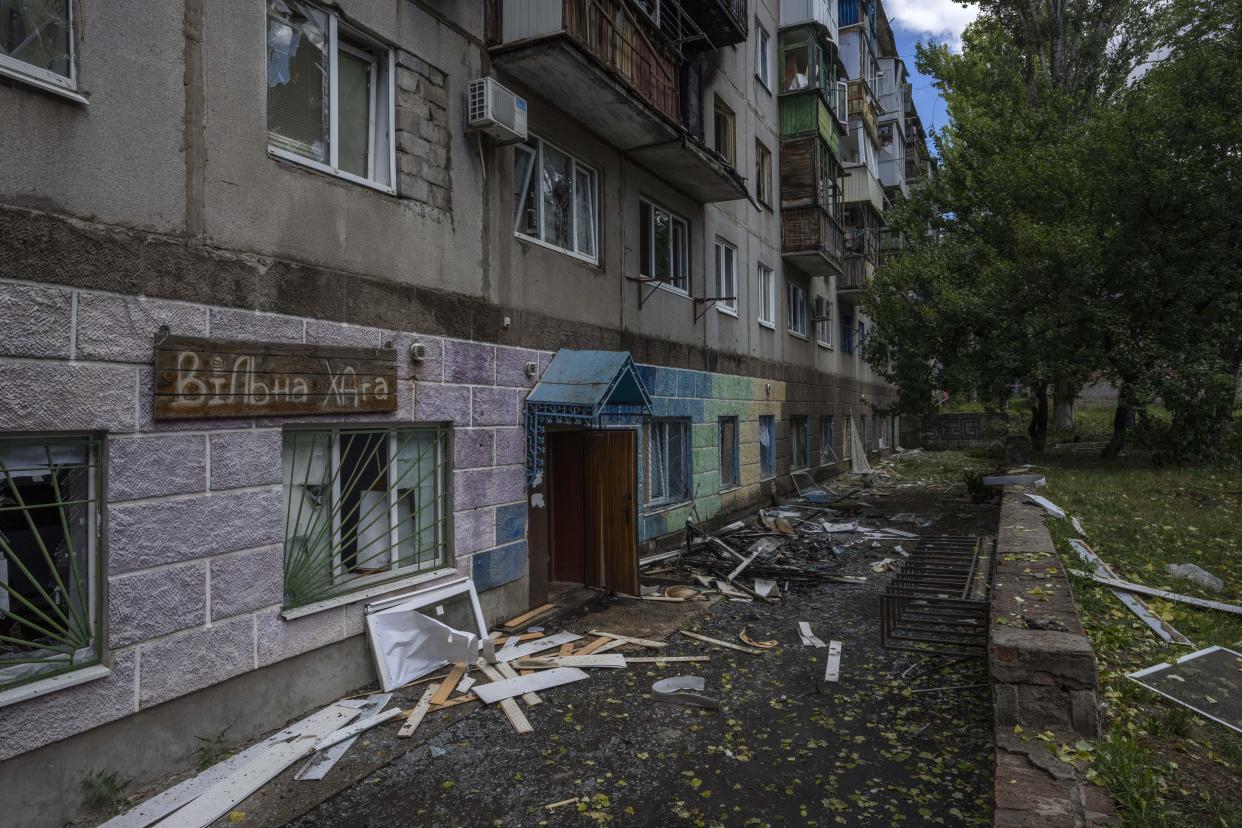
[317, 766]
[1035, 480]
[544, 679]
[465, 684]
[505, 654]
[1078, 526]
[352, 730]
[1048, 506]
[809, 638]
[1207, 682]
[408, 645]
[833, 528]
[833, 671]
[858, 455]
[1158, 625]
[901, 533]
[592, 660]
[764, 587]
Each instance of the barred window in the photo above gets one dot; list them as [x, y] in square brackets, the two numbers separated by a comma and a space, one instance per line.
[800, 442]
[767, 446]
[729, 475]
[49, 547]
[363, 506]
[668, 461]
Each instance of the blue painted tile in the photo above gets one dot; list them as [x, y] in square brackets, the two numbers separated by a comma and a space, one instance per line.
[498, 566]
[510, 523]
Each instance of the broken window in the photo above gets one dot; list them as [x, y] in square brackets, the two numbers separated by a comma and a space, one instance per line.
[827, 441]
[49, 513]
[767, 446]
[729, 476]
[36, 40]
[800, 442]
[668, 461]
[767, 296]
[555, 198]
[795, 309]
[329, 94]
[362, 507]
[726, 277]
[763, 55]
[763, 173]
[723, 131]
[664, 246]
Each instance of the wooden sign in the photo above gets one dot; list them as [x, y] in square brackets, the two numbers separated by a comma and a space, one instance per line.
[197, 378]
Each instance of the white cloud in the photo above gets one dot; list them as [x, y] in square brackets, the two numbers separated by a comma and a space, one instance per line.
[943, 20]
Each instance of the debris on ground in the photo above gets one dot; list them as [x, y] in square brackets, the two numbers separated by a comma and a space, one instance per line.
[1196, 575]
[1207, 682]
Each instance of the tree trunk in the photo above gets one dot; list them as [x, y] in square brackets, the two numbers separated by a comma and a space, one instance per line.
[1039, 416]
[1121, 417]
[1063, 405]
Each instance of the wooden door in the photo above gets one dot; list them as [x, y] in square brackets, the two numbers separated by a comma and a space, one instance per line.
[612, 495]
[565, 472]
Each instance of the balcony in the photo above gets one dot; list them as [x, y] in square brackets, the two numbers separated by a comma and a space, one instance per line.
[811, 239]
[805, 114]
[822, 13]
[606, 67]
[724, 22]
[853, 12]
[862, 186]
[863, 105]
[810, 173]
[853, 280]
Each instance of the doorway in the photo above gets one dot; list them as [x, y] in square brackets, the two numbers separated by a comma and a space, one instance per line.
[592, 485]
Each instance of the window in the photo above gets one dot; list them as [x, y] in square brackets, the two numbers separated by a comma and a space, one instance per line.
[668, 461]
[862, 339]
[36, 42]
[847, 332]
[823, 322]
[847, 447]
[827, 441]
[723, 130]
[49, 568]
[882, 428]
[795, 309]
[363, 506]
[555, 198]
[329, 95]
[763, 55]
[763, 174]
[664, 246]
[767, 446]
[726, 277]
[767, 296]
[800, 443]
[729, 476]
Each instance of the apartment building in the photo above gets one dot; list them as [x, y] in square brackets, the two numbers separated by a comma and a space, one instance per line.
[286, 335]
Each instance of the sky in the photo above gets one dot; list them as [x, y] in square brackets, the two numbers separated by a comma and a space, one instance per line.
[941, 21]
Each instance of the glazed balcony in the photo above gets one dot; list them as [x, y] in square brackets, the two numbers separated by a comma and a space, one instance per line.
[822, 13]
[609, 68]
[862, 104]
[811, 239]
[862, 186]
[724, 22]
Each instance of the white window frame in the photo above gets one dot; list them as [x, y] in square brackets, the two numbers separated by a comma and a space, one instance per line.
[763, 55]
[726, 277]
[767, 296]
[795, 309]
[647, 269]
[46, 79]
[763, 175]
[823, 328]
[669, 499]
[332, 168]
[800, 425]
[536, 154]
[737, 448]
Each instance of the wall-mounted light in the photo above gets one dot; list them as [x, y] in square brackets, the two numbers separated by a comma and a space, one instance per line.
[530, 368]
[418, 352]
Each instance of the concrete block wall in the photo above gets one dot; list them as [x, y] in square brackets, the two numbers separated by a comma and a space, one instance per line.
[194, 509]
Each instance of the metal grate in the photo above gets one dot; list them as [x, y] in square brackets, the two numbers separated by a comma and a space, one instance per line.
[363, 506]
[49, 574]
[938, 602]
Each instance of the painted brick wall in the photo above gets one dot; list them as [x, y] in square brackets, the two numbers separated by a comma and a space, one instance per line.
[195, 509]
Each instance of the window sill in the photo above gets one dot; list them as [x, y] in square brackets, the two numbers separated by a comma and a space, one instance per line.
[525, 239]
[43, 687]
[55, 88]
[731, 487]
[727, 311]
[664, 506]
[665, 286]
[310, 164]
[827, 346]
[771, 326]
[797, 335]
[369, 592]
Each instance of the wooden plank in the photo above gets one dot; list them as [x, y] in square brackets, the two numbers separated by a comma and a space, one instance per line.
[197, 377]
[719, 643]
[469, 697]
[593, 646]
[420, 710]
[537, 646]
[642, 642]
[508, 688]
[449, 684]
[567, 648]
[527, 617]
[508, 672]
[663, 659]
[511, 710]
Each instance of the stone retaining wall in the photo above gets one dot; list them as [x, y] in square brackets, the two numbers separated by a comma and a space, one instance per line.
[1044, 679]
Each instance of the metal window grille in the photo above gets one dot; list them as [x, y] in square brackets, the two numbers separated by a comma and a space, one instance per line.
[49, 545]
[363, 506]
[667, 465]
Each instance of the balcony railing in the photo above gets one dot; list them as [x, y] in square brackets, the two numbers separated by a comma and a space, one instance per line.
[856, 274]
[813, 238]
[862, 186]
[862, 105]
[725, 22]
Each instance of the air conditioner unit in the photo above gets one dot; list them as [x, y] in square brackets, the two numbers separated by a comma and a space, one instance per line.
[496, 111]
[819, 309]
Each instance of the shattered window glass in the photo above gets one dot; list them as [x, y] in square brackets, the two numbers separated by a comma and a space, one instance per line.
[48, 515]
[356, 93]
[37, 33]
[767, 445]
[728, 452]
[297, 79]
[555, 198]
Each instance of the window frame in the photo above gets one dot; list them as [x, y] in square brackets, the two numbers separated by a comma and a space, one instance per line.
[726, 300]
[359, 44]
[827, 440]
[794, 290]
[722, 111]
[669, 499]
[763, 174]
[343, 588]
[823, 328]
[536, 154]
[769, 320]
[767, 422]
[799, 431]
[46, 79]
[763, 55]
[92, 666]
[647, 268]
[735, 471]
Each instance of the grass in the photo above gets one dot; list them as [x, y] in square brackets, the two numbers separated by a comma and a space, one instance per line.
[103, 790]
